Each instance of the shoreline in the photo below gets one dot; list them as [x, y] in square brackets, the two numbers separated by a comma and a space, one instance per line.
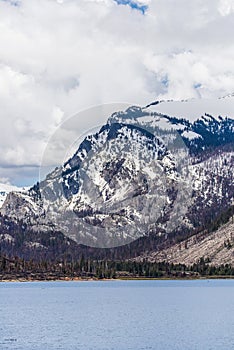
[76, 279]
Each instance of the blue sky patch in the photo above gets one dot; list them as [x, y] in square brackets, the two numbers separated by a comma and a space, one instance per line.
[133, 4]
[197, 86]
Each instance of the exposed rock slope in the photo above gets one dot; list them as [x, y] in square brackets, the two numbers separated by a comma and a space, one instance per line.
[215, 248]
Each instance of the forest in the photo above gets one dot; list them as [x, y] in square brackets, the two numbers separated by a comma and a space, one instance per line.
[19, 269]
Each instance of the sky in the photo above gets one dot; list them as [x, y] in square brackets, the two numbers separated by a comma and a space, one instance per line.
[60, 57]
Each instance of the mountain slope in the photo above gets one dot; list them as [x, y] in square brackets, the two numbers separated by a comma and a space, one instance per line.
[215, 248]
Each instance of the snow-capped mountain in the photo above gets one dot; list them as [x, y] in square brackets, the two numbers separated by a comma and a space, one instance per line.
[154, 170]
[109, 193]
[5, 189]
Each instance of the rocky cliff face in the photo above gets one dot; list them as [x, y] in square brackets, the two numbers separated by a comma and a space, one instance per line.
[142, 173]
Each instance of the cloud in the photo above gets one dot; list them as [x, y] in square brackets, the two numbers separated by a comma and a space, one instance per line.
[4, 180]
[60, 57]
[226, 7]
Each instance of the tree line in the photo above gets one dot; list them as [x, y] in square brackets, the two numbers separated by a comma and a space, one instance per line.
[17, 268]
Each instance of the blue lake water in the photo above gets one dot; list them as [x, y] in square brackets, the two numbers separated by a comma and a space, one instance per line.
[117, 315]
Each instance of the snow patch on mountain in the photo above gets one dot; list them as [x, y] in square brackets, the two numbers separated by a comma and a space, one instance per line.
[196, 108]
[190, 135]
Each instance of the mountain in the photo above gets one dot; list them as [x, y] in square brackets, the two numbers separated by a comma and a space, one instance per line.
[149, 175]
[105, 192]
[5, 189]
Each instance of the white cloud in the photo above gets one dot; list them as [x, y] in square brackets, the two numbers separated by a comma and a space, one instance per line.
[4, 180]
[59, 57]
[226, 7]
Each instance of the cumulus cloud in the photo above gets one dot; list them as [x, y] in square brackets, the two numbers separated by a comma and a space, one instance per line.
[58, 57]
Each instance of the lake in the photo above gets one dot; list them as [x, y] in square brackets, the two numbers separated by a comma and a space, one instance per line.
[117, 315]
